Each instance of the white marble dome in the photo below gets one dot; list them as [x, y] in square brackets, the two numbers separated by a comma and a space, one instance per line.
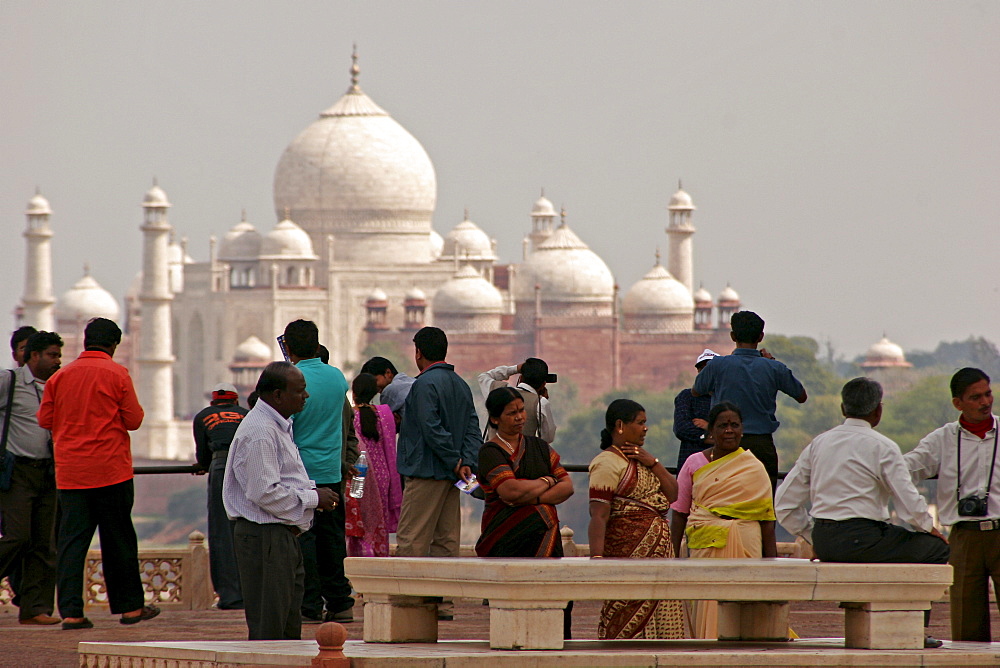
[38, 206]
[355, 169]
[543, 207]
[241, 242]
[681, 200]
[885, 353]
[702, 296]
[377, 295]
[86, 300]
[252, 350]
[437, 244]
[566, 270]
[728, 294]
[415, 294]
[287, 241]
[468, 241]
[467, 293]
[658, 293]
[155, 197]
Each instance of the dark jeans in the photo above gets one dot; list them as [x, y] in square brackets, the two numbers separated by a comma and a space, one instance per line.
[872, 542]
[221, 557]
[27, 552]
[975, 556]
[270, 563]
[762, 447]
[324, 548]
[109, 510]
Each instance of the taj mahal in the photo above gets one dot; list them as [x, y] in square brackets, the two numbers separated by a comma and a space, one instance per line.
[354, 250]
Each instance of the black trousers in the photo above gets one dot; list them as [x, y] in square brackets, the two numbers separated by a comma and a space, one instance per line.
[324, 548]
[762, 447]
[975, 556]
[27, 549]
[221, 557]
[869, 541]
[271, 573]
[109, 511]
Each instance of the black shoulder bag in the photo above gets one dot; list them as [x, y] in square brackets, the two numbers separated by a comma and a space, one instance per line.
[6, 457]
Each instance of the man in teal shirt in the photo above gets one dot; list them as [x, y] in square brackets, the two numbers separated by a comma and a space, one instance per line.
[318, 433]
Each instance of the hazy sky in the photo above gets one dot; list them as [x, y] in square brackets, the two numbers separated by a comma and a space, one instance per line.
[844, 157]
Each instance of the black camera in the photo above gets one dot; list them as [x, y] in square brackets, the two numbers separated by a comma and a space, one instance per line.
[972, 506]
[551, 378]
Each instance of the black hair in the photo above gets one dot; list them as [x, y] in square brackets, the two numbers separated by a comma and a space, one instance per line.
[747, 326]
[323, 354]
[302, 338]
[432, 343]
[625, 410]
[21, 334]
[102, 333]
[377, 366]
[497, 401]
[963, 378]
[40, 341]
[274, 377]
[720, 408]
[534, 372]
[252, 399]
[365, 388]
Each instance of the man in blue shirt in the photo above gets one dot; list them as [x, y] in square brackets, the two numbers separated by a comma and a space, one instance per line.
[439, 442]
[751, 379]
[691, 416]
[393, 386]
[318, 434]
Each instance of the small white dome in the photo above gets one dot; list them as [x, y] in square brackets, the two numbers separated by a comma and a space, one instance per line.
[378, 295]
[155, 197]
[415, 294]
[658, 293]
[86, 300]
[437, 245]
[252, 350]
[38, 206]
[467, 293]
[176, 254]
[543, 207]
[469, 242]
[885, 353]
[702, 296]
[681, 201]
[728, 295]
[287, 241]
[241, 242]
[566, 270]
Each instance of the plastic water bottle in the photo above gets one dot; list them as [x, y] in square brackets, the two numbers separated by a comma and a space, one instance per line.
[358, 482]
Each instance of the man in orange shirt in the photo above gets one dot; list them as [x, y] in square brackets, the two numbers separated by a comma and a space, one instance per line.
[90, 406]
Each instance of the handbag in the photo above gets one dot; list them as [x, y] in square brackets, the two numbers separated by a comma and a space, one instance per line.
[7, 460]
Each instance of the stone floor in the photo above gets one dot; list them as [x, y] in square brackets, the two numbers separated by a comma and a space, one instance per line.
[48, 646]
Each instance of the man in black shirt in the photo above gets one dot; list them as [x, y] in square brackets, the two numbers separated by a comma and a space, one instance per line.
[214, 428]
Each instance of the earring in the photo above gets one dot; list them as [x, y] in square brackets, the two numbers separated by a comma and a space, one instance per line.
[619, 430]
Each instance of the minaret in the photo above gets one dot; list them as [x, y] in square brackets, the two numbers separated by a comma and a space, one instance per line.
[543, 216]
[156, 392]
[680, 231]
[38, 299]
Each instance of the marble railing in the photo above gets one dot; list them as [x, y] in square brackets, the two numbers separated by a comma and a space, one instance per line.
[174, 578]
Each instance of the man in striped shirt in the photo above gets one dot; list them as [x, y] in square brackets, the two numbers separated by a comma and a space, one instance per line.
[267, 491]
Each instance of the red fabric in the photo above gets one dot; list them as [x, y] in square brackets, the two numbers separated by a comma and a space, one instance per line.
[90, 406]
[978, 428]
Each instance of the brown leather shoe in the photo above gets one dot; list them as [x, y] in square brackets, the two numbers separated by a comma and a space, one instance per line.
[40, 620]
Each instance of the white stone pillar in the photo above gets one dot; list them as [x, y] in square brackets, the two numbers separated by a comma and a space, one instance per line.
[156, 359]
[38, 300]
[681, 257]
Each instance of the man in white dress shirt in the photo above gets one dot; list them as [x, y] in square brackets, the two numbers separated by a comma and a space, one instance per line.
[969, 502]
[837, 494]
[266, 490]
[539, 420]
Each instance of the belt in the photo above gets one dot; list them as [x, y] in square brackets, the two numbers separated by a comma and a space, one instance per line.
[32, 462]
[220, 454]
[982, 525]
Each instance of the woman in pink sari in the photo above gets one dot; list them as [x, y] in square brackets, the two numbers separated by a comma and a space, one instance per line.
[375, 515]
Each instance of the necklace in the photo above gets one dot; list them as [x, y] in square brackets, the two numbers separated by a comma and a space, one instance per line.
[510, 448]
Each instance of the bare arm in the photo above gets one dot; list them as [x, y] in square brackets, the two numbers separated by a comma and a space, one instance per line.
[769, 546]
[521, 492]
[599, 514]
[678, 523]
[559, 492]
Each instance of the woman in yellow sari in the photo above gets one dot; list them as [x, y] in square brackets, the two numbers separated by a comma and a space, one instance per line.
[630, 493]
[724, 505]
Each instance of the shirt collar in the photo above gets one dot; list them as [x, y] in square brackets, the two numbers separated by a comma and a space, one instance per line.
[26, 376]
[527, 388]
[442, 364]
[746, 351]
[312, 361]
[857, 422]
[958, 424]
[269, 411]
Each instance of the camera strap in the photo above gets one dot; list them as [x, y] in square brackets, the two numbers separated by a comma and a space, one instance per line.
[993, 463]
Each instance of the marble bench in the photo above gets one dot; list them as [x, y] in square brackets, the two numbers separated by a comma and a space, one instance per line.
[884, 603]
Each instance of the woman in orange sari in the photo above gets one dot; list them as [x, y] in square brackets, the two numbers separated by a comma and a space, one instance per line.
[630, 493]
[724, 505]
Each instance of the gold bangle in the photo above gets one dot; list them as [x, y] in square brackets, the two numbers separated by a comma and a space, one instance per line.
[596, 556]
[656, 461]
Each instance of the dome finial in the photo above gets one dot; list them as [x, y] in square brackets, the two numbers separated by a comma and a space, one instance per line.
[155, 182]
[657, 256]
[543, 191]
[680, 186]
[562, 216]
[355, 70]
[86, 269]
[288, 213]
[466, 214]
[243, 215]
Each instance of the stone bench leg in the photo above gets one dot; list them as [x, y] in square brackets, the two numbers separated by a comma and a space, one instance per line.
[894, 625]
[753, 620]
[526, 624]
[400, 618]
